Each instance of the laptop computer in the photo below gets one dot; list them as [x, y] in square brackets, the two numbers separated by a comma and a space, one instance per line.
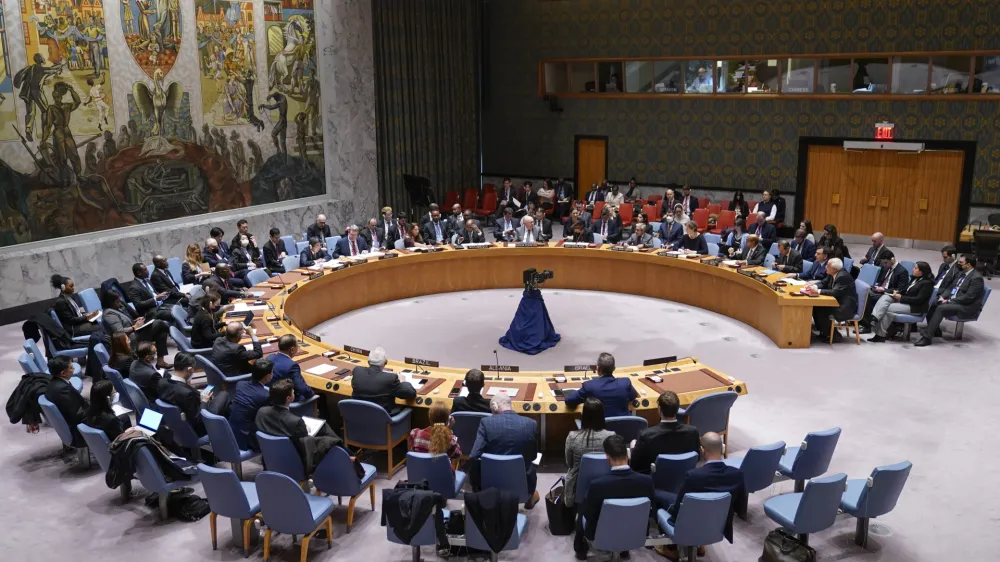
[150, 421]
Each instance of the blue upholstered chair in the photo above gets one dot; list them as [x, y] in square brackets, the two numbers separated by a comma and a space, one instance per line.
[874, 496]
[305, 408]
[628, 427]
[811, 459]
[66, 434]
[758, 467]
[289, 244]
[713, 248]
[285, 508]
[229, 497]
[257, 276]
[97, 442]
[102, 354]
[474, 537]
[183, 434]
[91, 301]
[331, 243]
[39, 361]
[810, 511]
[769, 261]
[436, 469]
[174, 268]
[335, 476]
[369, 426]
[700, 521]
[299, 246]
[806, 265]
[658, 243]
[505, 472]
[55, 318]
[290, 262]
[72, 353]
[960, 326]
[399, 245]
[424, 537]
[592, 465]
[623, 526]
[152, 479]
[713, 238]
[184, 343]
[224, 445]
[909, 265]
[909, 320]
[180, 317]
[598, 239]
[466, 427]
[773, 250]
[869, 273]
[848, 263]
[711, 413]
[119, 383]
[134, 394]
[280, 456]
[27, 364]
[862, 290]
[215, 376]
[669, 470]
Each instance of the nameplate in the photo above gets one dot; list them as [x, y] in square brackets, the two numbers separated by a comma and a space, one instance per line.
[659, 360]
[576, 245]
[579, 368]
[525, 245]
[619, 249]
[356, 350]
[500, 368]
[292, 288]
[423, 362]
[316, 275]
[389, 256]
[286, 318]
[272, 318]
[431, 249]
[312, 336]
[666, 254]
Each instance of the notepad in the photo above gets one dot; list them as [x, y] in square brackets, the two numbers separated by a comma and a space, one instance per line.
[512, 392]
[97, 318]
[120, 410]
[321, 369]
[313, 425]
[417, 383]
[538, 460]
[332, 265]
[257, 294]
[791, 281]
[463, 392]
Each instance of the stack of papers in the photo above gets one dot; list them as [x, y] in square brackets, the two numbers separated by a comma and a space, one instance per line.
[767, 272]
[321, 369]
[332, 265]
[512, 392]
[244, 307]
[256, 294]
[791, 281]
[416, 382]
[731, 262]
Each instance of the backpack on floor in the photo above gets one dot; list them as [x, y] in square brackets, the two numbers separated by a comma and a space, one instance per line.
[782, 546]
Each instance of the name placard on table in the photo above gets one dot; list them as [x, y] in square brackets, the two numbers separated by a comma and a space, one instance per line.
[500, 368]
[421, 362]
[356, 350]
[579, 368]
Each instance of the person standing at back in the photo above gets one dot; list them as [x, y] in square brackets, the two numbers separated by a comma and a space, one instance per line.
[615, 393]
[669, 437]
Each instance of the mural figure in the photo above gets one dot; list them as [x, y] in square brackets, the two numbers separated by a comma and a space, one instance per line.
[156, 105]
[7, 114]
[227, 54]
[156, 39]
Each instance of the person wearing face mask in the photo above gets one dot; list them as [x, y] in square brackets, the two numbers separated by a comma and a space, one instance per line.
[671, 232]
[243, 255]
[100, 415]
[71, 313]
[243, 229]
[962, 299]
[207, 323]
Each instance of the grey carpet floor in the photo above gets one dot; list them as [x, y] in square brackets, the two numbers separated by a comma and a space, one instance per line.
[933, 406]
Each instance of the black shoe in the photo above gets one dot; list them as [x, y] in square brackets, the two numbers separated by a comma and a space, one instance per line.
[876, 339]
[866, 329]
[938, 333]
[581, 555]
[837, 338]
[922, 342]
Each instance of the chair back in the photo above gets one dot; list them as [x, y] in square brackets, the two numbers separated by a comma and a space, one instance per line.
[670, 470]
[598, 207]
[299, 246]
[474, 537]
[98, 443]
[713, 238]
[760, 464]
[701, 519]
[650, 212]
[466, 427]
[489, 204]
[183, 434]
[56, 420]
[331, 243]
[27, 364]
[450, 198]
[424, 537]
[726, 219]
[180, 316]
[90, 300]
[364, 422]
[469, 199]
[505, 472]
[135, 395]
[224, 492]
[751, 219]
[628, 427]
[335, 474]
[148, 472]
[212, 373]
[290, 262]
[257, 276]
[221, 435]
[703, 202]
[907, 264]
[714, 209]
[711, 412]
[886, 483]
[655, 198]
[658, 243]
[119, 383]
[280, 456]
[283, 504]
[174, 268]
[713, 249]
[289, 243]
[861, 288]
[196, 292]
[848, 263]
[973, 317]
[623, 525]
[813, 458]
[768, 261]
[700, 218]
[436, 469]
[773, 250]
[592, 465]
[625, 212]
[817, 510]
[102, 354]
[598, 239]
[31, 348]
[399, 244]
[986, 243]
[806, 266]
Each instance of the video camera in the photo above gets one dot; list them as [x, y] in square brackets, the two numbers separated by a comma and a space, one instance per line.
[532, 278]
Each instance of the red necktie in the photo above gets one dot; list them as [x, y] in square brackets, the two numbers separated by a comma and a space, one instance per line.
[354, 248]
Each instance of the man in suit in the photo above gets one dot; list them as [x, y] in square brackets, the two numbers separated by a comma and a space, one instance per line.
[564, 194]
[319, 229]
[377, 386]
[506, 433]
[387, 228]
[640, 237]
[243, 229]
[620, 483]
[593, 196]
[543, 224]
[764, 230]
[607, 227]
[163, 282]
[249, 397]
[424, 219]
[274, 252]
[962, 299]
[874, 254]
[143, 371]
[276, 419]
[788, 260]
[949, 270]
[527, 233]
[817, 273]
[177, 391]
[753, 252]
[456, 220]
[689, 202]
[471, 233]
[840, 285]
[146, 300]
[221, 282]
[222, 247]
[668, 203]
[473, 401]
[372, 236]
[805, 247]
[229, 355]
[70, 311]
[615, 393]
[506, 225]
[435, 231]
[714, 476]
[70, 403]
[892, 277]
[285, 366]
[669, 437]
[506, 196]
[671, 232]
[213, 253]
[585, 216]
[352, 245]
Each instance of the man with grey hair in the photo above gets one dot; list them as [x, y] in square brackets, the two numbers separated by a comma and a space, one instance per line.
[377, 386]
[352, 244]
[230, 356]
[640, 237]
[319, 229]
[528, 233]
[840, 285]
[615, 393]
[506, 433]
[788, 260]
[766, 231]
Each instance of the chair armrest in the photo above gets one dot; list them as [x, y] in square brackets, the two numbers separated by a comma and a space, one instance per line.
[304, 407]
[81, 339]
[681, 413]
[236, 378]
[201, 351]
[400, 417]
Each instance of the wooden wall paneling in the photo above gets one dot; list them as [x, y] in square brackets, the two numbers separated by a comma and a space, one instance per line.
[823, 181]
[862, 173]
[939, 181]
[895, 214]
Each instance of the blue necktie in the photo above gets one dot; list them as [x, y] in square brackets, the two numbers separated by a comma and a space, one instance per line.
[437, 231]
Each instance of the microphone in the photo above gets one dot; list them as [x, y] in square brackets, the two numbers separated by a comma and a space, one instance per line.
[292, 322]
[497, 364]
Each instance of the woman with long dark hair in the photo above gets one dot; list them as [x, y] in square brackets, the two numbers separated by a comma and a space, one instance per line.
[588, 439]
[100, 415]
[833, 240]
[121, 353]
[807, 226]
[914, 300]
[739, 204]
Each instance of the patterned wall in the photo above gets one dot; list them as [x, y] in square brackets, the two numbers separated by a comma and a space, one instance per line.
[722, 142]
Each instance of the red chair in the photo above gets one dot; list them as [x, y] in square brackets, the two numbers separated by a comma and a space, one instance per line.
[489, 207]
[652, 212]
[598, 206]
[725, 220]
[470, 199]
[700, 218]
[654, 198]
[450, 198]
[703, 202]
[489, 188]
[714, 209]
[725, 204]
[750, 219]
[625, 212]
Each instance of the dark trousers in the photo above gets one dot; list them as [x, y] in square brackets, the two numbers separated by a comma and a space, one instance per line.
[937, 314]
[155, 332]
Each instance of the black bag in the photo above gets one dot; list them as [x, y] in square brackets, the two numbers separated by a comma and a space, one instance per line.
[782, 546]
[561, 517]
[182, 504]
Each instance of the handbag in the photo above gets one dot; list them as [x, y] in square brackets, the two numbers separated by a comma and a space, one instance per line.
[561, 517]
[782, 546]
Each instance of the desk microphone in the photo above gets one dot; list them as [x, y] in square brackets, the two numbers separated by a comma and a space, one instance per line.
[497, 364]
[292, 322]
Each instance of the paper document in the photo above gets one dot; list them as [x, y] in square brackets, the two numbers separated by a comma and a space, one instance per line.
[538, 460]
[249, 346]
[512, 392]
[257, 294]
[416, 382]
[240, 307]
[515, 201]
[321, 369]
[791, 281]
[186, 288]
[144, 325]
[463, 392]
[767, 272]
[97, 318]
[332, 265]
[120, 410]
[731, 262]
[313, 425]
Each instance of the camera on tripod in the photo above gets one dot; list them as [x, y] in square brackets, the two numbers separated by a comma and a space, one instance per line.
[532, 278]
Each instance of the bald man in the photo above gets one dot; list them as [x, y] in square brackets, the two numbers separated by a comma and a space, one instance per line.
[230, 356]
[319, 229]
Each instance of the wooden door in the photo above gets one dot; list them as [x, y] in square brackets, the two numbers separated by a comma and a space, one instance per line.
[935, 195]
[842, 189]
[898, 175]
[591, 163]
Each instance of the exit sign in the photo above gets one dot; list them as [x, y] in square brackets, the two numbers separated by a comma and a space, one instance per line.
[885, 131]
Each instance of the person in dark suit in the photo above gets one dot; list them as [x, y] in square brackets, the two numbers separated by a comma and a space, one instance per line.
[615, 393]
[70, 403]
[176, 391]
[593, 196]
[100, 415]
[374, 385]
[621, 483]
[249, 397]
[948, 271]
[222, 247]
[688, 201]
[244, 257]
[118, 318]
[915, 299]
[213, 253]
[69, 310]
[506, 197]
[285, 366]
[319, 229]
[253, 250]
[471, 233]
[424, 219]
[753, 252]
[506, 225]
[350, 245]
[818, 270]
[764, 230]
[875, 254]
[693, 241]
[221, 282]
[788, 260]
[435, 231]
[713, 476]
[373, 238]
[831, 239]
[669, 437]
[544, 224]
[768, 206]
[207, 323]
[669, 203]
[963, 298]
[388, 228]
[803, 245]
[147, 301]
[607, 227]
[144, 372]
[274, 252]
[229, 355]
[506, 433]
[276, 419]
[578, 232]
[563, 196]
[738, 205]
[891, 278]
[840, 285]
[671, 232]
[313, 253]
[473, 401]
[641, 237]
[163, 282]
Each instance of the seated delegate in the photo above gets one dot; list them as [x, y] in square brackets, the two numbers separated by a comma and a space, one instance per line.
[914, 299]
[506, 433]
[373, 384]
[276, 419]
[248, 398]
[669, 437]
[840, 285]
[788, 260]
[437, 438]
[285, 366]
[615, 393]
[588, 439]
[473, 401]
[230, 356]
[962, 299]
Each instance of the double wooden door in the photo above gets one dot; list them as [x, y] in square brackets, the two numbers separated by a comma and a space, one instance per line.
[902, 195]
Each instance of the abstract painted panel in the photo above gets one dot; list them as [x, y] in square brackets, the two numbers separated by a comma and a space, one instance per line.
[152, 30]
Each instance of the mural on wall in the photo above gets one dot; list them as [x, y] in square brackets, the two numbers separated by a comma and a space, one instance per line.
[8, 116]
[152, 30]
[227, 58]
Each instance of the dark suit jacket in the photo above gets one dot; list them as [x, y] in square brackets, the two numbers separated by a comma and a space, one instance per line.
[107, 422]
[375, 385]
[471, 403]
[271, 253]
[321, 233]
[807, 249]
[546, 226]
[507, 433]
[593, 196]
[147, 377]
[696, 244]
[618, 484]
[817, 273]
[67, 314]
[143, 300]
[947, 274]
[970, 292]
[501, 226]
[667, 206]
[472, 236]
[205, 329]
[307, 258]
[768, 234]
[286, 368]
[213, 258]
[430, 236]
[162, 281]
[223, 287]
[251, 247]
[70, 403]
[841, 287]
[612, 229]
[344, 247]
[899, 280]
[243, 257]
[248, 398]
[871, 256]
[692, 204]
[713, 476]
[186, 398]
[664, 438]
[672, 233]
[918, 294]
[281, 422]
[755, 255]
[615, 393]
[393, 234]
[793, 261]
[366, 233]
[232, 358]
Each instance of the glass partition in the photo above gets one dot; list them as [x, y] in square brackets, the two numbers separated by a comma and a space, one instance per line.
[910, 74]
[556, 77]
[986, 79]
[730, 75]
[871, 76]
[667, 77]
[609, 77]
[798, 76]
[950, 74]
[698, 76]
[763, 76]
[583, 77]
[835, 76]
[639, 77]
